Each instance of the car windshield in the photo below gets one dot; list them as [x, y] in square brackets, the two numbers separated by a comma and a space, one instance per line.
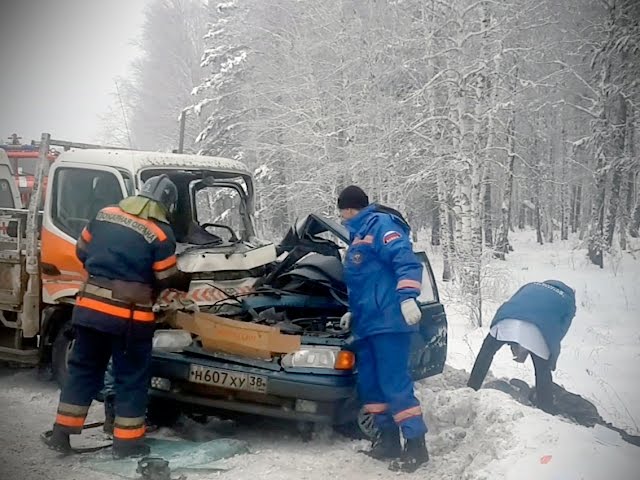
[219, 210]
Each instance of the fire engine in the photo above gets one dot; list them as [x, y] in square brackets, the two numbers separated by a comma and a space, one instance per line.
[23, 161]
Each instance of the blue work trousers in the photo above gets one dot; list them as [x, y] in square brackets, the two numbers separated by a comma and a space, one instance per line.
[385, 386]
[87, 364]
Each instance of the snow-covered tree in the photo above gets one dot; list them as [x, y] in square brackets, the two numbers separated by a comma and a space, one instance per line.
[149, 103]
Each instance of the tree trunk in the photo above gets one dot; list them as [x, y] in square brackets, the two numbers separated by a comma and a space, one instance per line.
[577, 211]
[474, 261]
[550, 224]
[522, 217]
[488, 214]
[539, 237]
[614, 203]
[628, 183]
[538, 212]
[623, 212]
[572, 214]
[550, 197]
[618, 121]
[446, 229]
[634, 228]
[435, 226]
[634, 225]
[502, 247]
[566, 208]
[596, 234]
[564, 192]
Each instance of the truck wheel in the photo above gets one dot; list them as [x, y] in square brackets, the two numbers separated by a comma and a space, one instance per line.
[62, 346]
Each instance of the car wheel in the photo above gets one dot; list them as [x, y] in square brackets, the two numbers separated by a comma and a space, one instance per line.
[362, 427]
[162, 413]
[366, 424]
[60, 353]
[306, 429]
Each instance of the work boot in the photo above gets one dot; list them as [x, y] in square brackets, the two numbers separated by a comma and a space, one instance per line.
[58, 440]
[109, 414]
[386, 445]
[133, 449]
[413, 456]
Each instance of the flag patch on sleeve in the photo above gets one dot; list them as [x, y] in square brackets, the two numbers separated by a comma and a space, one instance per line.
[390, 237]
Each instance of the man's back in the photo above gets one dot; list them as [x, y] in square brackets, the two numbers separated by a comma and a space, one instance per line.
[550, 306]
[124, 247]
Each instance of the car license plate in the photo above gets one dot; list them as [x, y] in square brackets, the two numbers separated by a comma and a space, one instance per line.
[227, 379]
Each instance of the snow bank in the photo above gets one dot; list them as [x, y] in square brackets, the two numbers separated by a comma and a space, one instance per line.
[600, 357]
[473, 436]
[486, 434]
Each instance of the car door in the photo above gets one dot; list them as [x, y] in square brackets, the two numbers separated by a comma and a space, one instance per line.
[76, 193]
[429, 345]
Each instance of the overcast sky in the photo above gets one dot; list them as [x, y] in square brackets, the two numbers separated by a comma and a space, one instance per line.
[58, 62]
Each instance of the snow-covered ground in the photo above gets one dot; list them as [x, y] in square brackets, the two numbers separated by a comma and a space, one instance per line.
[473, 435]
[600, 357]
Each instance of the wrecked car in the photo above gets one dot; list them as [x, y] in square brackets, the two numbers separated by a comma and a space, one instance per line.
[301, 293]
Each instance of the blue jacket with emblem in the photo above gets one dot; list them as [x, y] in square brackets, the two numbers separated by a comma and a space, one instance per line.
[550, 306]
[381, 271]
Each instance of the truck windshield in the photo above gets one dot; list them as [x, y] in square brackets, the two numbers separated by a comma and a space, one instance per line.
[218, 207]
[27, 166]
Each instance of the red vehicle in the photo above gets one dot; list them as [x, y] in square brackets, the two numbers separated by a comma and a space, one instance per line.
[23, 160]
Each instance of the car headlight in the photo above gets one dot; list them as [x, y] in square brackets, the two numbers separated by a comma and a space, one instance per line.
[320, 357]
[171, 340]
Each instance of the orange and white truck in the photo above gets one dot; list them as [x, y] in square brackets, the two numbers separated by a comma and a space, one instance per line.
[40, 274]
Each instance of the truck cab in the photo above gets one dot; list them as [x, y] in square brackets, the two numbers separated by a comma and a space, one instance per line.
[213, 226]
[213, 222]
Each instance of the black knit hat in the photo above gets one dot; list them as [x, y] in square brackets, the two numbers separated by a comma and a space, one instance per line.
[353, 197]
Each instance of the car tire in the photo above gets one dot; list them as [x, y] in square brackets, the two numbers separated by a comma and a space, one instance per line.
[60, 352]
[305, 430]
[362, 427]
[162, 413]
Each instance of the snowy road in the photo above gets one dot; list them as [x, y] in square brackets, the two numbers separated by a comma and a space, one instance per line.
[474, 436]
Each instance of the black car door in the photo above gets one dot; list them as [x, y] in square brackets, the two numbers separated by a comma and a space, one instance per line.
[429, 345]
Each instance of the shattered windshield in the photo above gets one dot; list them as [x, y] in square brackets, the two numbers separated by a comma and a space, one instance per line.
[218, 209]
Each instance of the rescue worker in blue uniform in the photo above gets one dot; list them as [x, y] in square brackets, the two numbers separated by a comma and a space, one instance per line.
[383, 277]
[533, 321]
[128, 252]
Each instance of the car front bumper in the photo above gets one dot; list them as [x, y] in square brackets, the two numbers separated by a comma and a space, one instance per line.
[304, 396]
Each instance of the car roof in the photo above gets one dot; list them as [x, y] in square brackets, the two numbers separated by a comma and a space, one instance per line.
[135, 160]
